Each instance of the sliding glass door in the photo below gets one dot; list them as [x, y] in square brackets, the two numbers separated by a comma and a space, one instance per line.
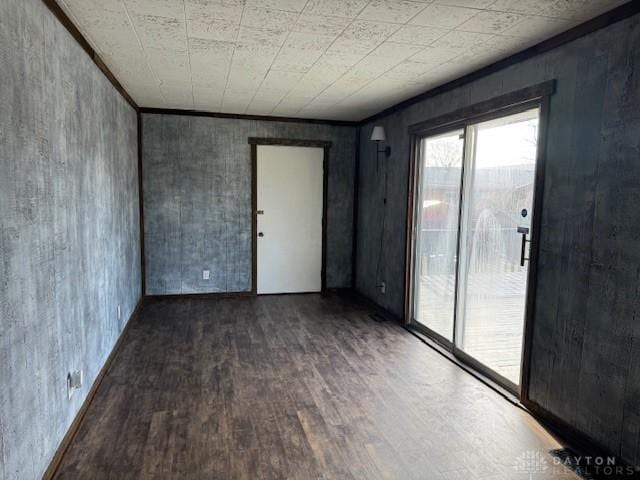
[495, 227]
[472, 224]
[437, 231]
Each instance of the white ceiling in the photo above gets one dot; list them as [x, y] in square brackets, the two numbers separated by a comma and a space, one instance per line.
[334, 59]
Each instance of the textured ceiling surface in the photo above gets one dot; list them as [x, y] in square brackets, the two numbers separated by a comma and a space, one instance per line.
[333, 59]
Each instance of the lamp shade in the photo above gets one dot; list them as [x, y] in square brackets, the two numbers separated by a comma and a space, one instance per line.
[378, 135]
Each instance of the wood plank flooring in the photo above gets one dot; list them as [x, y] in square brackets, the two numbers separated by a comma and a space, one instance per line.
[293, 387]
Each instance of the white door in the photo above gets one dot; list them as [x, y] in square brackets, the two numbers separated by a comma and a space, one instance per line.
[289, 204]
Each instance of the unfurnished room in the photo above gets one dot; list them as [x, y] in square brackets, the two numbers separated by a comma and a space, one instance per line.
[319, 239]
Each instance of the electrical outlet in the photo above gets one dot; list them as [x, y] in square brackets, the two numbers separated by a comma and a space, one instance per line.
[205, 274]
[74, 382]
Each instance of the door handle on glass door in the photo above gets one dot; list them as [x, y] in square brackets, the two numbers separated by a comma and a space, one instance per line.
[524, 231]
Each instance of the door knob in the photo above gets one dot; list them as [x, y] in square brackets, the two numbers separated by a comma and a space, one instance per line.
[260, 234]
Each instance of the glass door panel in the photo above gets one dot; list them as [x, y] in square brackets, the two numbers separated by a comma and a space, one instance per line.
[437, 212]
[494, 233]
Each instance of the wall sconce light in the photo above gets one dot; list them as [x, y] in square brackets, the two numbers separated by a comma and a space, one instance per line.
[378, 135]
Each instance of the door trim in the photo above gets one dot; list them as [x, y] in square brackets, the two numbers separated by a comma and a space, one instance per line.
[510, 103]
[534, 248]
[489, 108]
[287, 142]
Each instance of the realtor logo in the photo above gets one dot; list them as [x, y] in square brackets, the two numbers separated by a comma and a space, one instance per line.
[560, 461]
[531, 462]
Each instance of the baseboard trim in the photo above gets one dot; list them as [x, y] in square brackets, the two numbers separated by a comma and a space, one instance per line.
[52, 469]
[198, 296]
[574, 438]
[219, 295]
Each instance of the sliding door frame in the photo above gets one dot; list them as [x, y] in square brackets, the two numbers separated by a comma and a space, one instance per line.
[536, 96]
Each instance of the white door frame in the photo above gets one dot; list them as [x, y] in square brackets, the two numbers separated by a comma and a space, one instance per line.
[288, 142]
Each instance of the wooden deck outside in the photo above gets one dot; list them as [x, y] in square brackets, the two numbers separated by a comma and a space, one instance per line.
[494, 317]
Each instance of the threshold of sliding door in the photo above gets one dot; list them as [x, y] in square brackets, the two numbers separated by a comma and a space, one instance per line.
[502, 386]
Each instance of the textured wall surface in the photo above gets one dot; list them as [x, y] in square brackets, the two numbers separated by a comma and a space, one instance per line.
[586, 351]
[197, 200]
[69, 230]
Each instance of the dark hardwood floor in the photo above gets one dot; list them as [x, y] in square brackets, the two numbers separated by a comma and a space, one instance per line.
[293, 387]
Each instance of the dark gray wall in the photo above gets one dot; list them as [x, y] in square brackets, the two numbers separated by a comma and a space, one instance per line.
[69, 230]
[586, 350]
[197, 200]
